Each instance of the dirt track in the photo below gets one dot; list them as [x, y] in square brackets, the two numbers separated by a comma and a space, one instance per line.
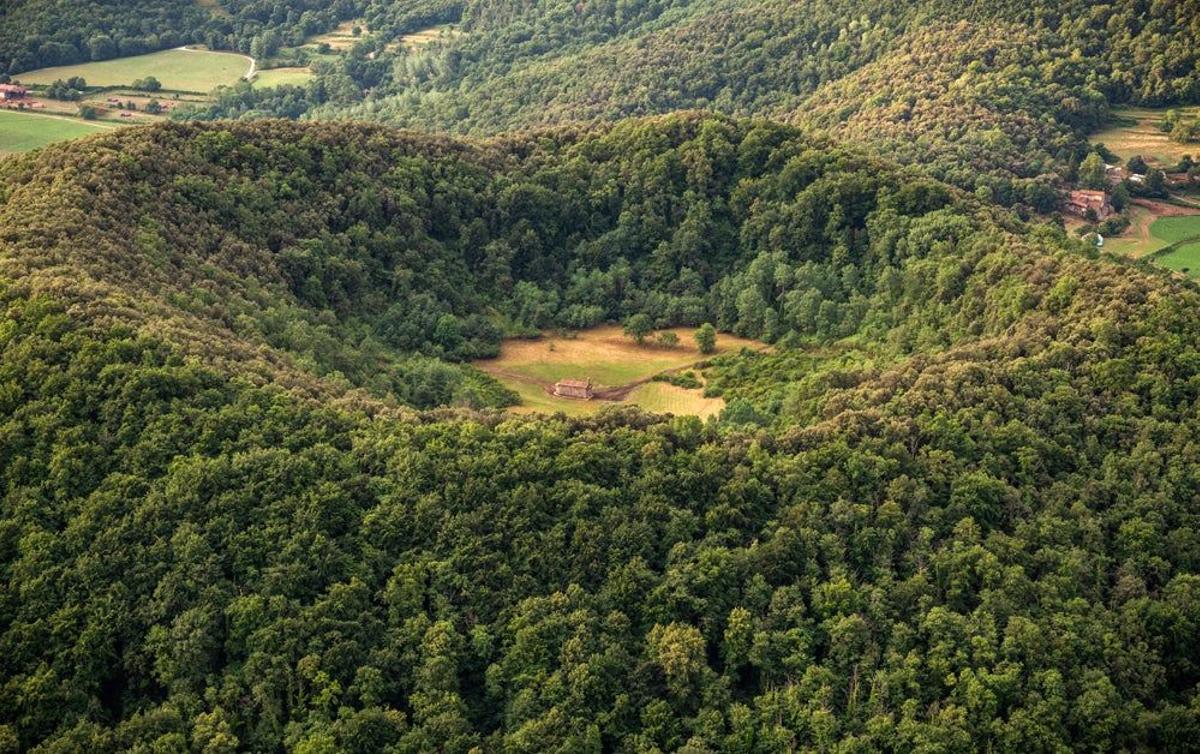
[1163, 209]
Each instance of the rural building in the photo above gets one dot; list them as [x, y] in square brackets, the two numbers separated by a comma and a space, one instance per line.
[1087, 203]
[574, 389]
[9, 92]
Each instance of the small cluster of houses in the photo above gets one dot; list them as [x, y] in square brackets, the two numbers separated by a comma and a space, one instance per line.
[1089, 204]
[1096, 205]
[1117, 174]
[15, 96]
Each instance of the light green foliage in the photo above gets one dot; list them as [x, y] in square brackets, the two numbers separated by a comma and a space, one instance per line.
[1091, 172]
[706, 338]
[638, 327]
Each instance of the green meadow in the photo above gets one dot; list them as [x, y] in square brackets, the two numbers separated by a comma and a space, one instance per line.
[20, 132]
[1186, 256]
[181, 70]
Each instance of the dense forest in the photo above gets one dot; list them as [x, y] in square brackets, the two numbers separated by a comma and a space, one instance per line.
[952, 509]
[364, 252]
[39, 33]
[993, 97]
[254, 495]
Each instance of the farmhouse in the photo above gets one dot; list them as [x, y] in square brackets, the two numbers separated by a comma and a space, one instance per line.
[1088, 203]
[9, 92]
[574, 389]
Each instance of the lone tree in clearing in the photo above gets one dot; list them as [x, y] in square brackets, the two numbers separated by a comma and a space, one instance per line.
[706, 338]
[148, 84]
[638, 327]
[1091, 172]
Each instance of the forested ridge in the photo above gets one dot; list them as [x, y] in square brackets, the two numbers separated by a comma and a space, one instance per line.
[39, 33]
[996, 97]
[952, 509]
[360, 253]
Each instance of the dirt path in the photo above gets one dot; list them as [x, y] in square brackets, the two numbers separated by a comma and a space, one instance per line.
[1163, 209]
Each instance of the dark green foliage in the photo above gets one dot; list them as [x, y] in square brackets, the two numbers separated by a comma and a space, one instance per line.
[148, 84]
[953, 508]
[686, 380]
[994, 96]
[70, 90]
[343, 250]
[239, 566]
[38, 33]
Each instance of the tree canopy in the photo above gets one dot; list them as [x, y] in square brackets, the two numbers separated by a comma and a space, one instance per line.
[952, 508]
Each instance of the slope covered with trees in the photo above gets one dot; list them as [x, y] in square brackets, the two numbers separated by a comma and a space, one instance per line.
[993, 97]
[39, 33]
[973, 526]
[347, 250]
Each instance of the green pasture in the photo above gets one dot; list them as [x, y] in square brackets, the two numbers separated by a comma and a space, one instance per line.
[21, 132]
[179, 69]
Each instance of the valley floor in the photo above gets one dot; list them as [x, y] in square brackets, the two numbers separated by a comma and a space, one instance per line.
[621, 370]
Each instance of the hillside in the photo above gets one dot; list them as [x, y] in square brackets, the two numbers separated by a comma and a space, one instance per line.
[994, 96]
[970, 524]
[352, 250]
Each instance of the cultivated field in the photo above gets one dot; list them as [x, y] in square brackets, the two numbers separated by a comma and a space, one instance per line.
[20, 132]
[663, 398]
[281, 76]
[421, 38]
[342, 36]
[1136, 132]
[610, 360]
[185, 70]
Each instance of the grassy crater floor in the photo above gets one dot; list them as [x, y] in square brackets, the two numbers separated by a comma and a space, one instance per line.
[611, 360]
